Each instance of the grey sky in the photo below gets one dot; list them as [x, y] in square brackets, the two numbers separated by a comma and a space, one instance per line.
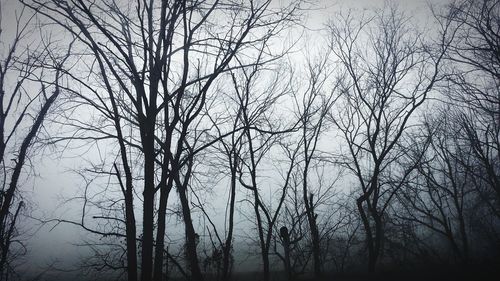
[56, 184]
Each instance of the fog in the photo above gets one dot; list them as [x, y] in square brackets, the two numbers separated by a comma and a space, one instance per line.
[70, 179]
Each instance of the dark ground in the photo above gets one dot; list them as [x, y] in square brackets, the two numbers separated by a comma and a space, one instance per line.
[478, 272]
[484, 272]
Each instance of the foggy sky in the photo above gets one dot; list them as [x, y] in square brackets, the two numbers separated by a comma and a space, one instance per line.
[57, 183]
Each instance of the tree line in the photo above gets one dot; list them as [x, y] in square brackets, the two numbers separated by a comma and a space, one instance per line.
[378, 147]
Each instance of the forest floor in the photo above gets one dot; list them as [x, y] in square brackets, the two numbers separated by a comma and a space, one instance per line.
[489, 272]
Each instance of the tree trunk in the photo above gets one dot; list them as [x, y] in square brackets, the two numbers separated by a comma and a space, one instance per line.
[6, 241]
[9, 194]
[311, 218]
[226, 266]
[263, 248]
[131, 236]
[265, 264]
[148, 205]
[286, 247]
[191, 238]
[160, 232]
[377, 239]
[372, 257]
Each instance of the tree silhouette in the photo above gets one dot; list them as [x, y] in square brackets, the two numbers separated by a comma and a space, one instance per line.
[388, 71]
[24, 106]
[154, 64]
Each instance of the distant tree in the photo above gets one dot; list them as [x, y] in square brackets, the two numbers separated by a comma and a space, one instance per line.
[388, 71]
[313, 106]
[438, 194]
[454, 191]
[474, 86]
[344, 240]
[27, 93]
[251, 102]
[264, 136]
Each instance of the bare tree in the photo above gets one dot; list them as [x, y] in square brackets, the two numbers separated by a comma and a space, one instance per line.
[437, 195]
[313, 109]
[264, 133]
[27, 94]
[151, 66]
[245, 99]
[388, 69]
[454, 186]
[474, 83]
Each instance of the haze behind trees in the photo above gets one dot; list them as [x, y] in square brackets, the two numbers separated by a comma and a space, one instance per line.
[203, 135]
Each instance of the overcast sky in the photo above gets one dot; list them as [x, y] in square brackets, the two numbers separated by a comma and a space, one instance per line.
[56, 184]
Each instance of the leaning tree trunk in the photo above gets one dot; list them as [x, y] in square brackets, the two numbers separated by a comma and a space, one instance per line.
[372, 257]
[191, 239]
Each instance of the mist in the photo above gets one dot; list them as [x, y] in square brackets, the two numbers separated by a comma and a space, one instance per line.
[260, 139]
